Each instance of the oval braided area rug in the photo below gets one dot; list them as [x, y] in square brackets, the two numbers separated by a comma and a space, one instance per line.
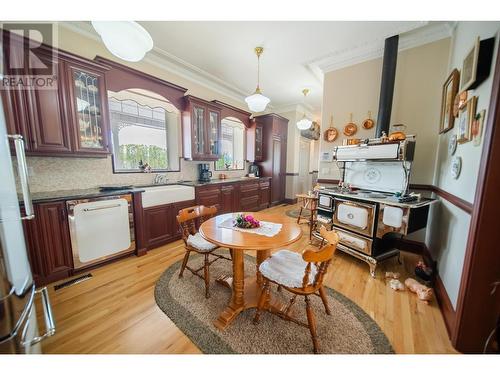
[349, 330]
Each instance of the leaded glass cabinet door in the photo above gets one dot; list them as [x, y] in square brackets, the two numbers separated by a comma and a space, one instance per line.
[90, 110]
[198, 131]
[259, 152]
[213, 133]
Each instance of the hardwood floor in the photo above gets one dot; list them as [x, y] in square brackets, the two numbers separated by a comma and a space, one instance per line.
[115, 311]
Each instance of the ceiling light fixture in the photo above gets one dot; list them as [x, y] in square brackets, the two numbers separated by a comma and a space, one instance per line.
[304, 123]
[257, 102]
[125, 39]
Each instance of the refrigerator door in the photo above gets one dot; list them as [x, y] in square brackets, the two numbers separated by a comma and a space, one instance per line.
[18, 328]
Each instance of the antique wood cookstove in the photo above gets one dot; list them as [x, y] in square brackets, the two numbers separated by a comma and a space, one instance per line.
[371, 206]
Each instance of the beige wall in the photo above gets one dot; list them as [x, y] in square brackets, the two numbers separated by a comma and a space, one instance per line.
[57, 173]
[449, 226]
[417, 97]
[353, 89]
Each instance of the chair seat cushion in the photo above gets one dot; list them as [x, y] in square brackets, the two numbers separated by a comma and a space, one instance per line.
[286, 268]
[199, 243]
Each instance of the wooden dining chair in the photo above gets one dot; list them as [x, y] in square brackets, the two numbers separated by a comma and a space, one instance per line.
[301, 275]
[190, 220]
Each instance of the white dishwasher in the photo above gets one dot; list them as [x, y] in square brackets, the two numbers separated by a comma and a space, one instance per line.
[100, 228]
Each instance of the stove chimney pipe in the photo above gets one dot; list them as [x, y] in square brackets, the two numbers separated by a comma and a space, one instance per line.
[387, 85]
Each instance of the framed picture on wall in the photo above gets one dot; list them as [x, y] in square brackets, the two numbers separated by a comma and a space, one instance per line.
[450, 90]
[469, 67]
[466, 116]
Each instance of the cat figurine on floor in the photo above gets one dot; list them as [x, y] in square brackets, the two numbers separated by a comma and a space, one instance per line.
[423, 293]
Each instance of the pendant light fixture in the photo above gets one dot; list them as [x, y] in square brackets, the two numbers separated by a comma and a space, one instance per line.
[257, 102]
[304, 123]
[125, 39]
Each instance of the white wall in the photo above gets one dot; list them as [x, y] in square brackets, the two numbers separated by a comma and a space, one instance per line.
[448, 228]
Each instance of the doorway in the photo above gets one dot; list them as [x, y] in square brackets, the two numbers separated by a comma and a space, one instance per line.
[304, 183]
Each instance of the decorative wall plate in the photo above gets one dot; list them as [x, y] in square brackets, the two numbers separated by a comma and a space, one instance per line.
[452, 145]
[456, 166]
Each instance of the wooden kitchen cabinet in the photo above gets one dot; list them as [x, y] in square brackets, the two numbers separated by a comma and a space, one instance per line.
[273, 164]
[209, 195]
[87, 108]
[70, 119]
[264, 194]
[249, 197]
[228, 198]
[201, 123]
[49, 244]
[160, 223]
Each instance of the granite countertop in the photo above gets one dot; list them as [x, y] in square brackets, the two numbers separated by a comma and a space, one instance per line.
[51, 196]
[216, 181]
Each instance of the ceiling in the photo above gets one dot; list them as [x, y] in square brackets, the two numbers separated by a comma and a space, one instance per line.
[296, 54]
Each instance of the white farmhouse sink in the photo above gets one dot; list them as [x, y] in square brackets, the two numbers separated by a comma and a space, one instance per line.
[158, 195]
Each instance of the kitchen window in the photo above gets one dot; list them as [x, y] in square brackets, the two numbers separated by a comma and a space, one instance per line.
[231, 145]
[144, 132]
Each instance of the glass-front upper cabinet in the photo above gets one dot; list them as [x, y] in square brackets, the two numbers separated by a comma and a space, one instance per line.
[214, 131]
[89, 110]
[259, 155]
[201, 129]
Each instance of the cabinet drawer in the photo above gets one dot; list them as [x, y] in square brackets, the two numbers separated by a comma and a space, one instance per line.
[249, 189]
[355, 242]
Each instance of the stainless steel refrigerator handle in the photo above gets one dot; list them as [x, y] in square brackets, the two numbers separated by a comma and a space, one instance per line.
[22, 169]
[50, 325]
[101, 208]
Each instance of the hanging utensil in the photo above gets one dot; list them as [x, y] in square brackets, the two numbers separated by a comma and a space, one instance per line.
[350, 128]
[331, 133]
[368, 123]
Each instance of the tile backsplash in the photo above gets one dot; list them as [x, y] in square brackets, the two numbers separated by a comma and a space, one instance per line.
[57, 173]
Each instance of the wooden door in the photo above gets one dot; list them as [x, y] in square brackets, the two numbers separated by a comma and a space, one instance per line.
[276, 193]
[46, 111]
[87, 109]
[52, 227]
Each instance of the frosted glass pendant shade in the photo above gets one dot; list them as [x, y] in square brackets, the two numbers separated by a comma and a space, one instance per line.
[304, 124]
[257, 102]
[125, 39]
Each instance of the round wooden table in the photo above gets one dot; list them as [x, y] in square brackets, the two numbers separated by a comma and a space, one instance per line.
[246, 291]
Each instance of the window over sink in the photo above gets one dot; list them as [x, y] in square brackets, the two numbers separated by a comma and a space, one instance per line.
[231, 145]
[145, 129]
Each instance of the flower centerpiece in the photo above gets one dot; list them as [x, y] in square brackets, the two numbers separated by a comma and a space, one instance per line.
[246, 221]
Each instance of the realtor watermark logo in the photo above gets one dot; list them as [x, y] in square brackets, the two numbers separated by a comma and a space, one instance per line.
[25, 63]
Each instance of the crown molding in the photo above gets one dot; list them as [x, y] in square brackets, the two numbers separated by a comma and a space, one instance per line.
[412, 38]
[300, 108]
[173, 64]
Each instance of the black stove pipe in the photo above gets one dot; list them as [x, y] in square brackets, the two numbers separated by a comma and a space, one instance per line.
[387, 86]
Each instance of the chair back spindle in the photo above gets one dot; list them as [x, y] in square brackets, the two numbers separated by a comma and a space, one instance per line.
[191, 218]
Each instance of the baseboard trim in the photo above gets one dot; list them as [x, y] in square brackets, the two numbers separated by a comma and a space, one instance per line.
[449, 313]
[444, 302]
[290, 201]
